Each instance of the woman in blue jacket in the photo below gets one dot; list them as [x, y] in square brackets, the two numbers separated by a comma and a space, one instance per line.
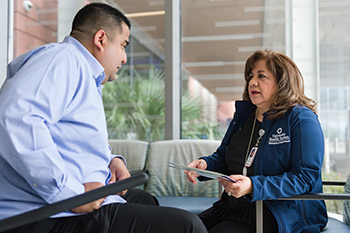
[273, 148]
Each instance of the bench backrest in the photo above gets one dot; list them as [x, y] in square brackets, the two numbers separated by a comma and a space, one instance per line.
[167, 181]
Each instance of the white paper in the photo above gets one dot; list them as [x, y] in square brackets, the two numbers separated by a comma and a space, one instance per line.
[200, 172]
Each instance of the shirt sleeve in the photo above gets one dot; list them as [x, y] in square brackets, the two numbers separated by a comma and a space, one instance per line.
[119, 157]
[33, 99]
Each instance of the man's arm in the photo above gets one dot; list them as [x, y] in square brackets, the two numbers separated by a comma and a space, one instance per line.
[30, 101]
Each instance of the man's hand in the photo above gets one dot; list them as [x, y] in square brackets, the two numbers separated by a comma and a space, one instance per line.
[119, 172]
[87, 208]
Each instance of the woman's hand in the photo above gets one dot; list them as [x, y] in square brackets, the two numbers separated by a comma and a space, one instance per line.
[191, 175]
[243, 186]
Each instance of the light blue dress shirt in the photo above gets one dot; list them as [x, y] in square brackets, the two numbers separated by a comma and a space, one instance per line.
[53, 135]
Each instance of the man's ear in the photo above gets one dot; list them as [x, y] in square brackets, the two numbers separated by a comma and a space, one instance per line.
[100, 40]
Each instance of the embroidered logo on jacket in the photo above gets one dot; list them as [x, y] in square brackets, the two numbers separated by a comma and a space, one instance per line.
[279, 138]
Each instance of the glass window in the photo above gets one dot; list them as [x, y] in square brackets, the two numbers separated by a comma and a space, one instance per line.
[134, 102]
[217, 38]
[334, 29]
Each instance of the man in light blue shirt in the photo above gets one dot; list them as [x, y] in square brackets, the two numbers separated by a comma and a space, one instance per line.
[53, 136]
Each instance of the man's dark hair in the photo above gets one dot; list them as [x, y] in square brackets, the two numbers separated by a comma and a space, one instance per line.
[96, 16]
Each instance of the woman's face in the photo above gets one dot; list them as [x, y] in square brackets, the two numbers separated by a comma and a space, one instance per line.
[262, 86]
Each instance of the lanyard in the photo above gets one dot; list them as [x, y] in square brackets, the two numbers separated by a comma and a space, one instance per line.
[250, 159]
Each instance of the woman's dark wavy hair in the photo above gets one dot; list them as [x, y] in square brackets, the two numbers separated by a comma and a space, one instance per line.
[290, 82]
[96, 16]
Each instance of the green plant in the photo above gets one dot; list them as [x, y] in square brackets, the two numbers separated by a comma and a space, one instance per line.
[134, 108]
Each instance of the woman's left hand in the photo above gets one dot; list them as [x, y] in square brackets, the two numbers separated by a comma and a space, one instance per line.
[241, 187]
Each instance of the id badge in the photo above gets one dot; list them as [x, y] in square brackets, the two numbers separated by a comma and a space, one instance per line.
[251, 157]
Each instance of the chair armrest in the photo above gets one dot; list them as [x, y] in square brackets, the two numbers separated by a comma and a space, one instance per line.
[132, 173]
[309, 196]
[334, 183]
[70, 203]
[319, 196]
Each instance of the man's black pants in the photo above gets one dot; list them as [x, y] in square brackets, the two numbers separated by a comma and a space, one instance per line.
[141, 214]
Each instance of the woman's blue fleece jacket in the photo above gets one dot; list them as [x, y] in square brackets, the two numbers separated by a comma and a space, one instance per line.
[288, 163]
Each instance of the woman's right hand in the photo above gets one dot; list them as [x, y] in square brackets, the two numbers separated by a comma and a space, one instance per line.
[191, 175]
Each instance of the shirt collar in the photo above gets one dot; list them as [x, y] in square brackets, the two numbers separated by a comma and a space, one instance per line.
[96, 68]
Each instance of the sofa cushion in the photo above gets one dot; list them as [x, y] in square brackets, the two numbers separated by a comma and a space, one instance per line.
[167, 181]
[192, 204]
[133, 151]
[335, 226]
